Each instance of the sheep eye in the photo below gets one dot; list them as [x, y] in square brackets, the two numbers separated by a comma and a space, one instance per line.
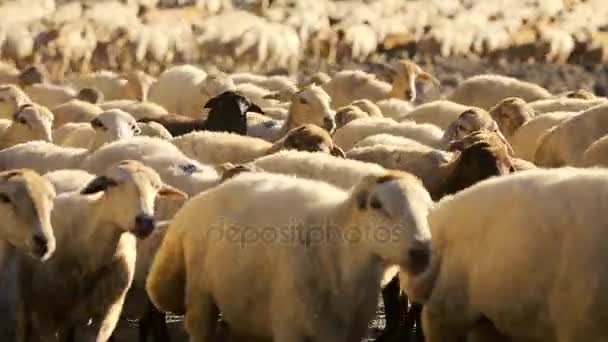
[302, 100]
[96, 124]
[375, 203]
[21, 120]
[4, 198]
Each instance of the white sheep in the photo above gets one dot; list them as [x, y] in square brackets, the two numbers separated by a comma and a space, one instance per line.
[388, 200]
[372, 109]
[347, 136]
[566, 143]
[11, 98]
[105, 265]
[484, 91]
[394, 108]
[349, 113]
[219, 147]
[595, 154]
[111, 125]
[564, 105]
[525, 140]
[154, 129]
[138, 109]
[484, 256]
[74, 111]
[347, 86]
[310, 105]
[440, 113]
[30, 122]
[272, 83]
[387, 140]
[41, 156]
[50, 95]
[68, 180]
[113, 86]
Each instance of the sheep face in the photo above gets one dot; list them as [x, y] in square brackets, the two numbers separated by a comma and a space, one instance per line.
[510, 114]
[31, 122]
[129, 190]
[404, 82]
[11, 98]
[469, 121]
[112, 125]
[398, 204]
[346, 114]
[311, 138]
[312, 105]
[26, 201]
[228, 112]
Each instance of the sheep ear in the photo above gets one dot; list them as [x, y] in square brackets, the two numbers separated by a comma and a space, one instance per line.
[98, 184]
[425, 76]
[337, 152]
[169, 191]
[211, 103]
[255, 108]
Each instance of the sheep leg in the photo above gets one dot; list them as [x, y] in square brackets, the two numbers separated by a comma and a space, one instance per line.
[390, 297]
[413, 319]
[154, 319]
[201, 317]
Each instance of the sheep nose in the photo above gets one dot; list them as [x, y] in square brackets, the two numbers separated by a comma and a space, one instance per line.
[329, 124]
[419, 258]
[39, 246]
[144, 225]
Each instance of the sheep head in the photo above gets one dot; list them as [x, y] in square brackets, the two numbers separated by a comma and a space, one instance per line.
[510, 114]
[90, 95]
[26, 201]
[310, 138]
[228, 112]
[405, 75]
[397, 203]
[113, 125]
[30, 122]
[311, 104]
[469, 121]
[11, 98]
[126, 193]
[368, 106]
[346, 114]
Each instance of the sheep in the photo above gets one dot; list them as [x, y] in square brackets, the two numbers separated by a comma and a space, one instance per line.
[510, 114]
[391, 199]
[442, 172]
[388, 139]
[105, 267]
[565, 144]
[113, 124]
[272, 83]
[309, 105]
[347, 136]
[218, 148]
[394, 108]
[11, 98]
[26, 201]
[41, 156]
[175, 168]
[318, 78]
[154, 129]
[50, 95]
[347, 86]
[74, 111]
[471, 120]
[113, 86]
[185, 89]
[484, 91]
[372, 109]
[578, 94]
[30, 122]
[137, 109]
[68, 180]
[440, 113]
[346, 114]
[564, 105]
[460, 291]
[343, 173]
[595, 154]
[228, 113]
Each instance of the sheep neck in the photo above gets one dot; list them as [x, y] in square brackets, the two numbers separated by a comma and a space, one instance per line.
[438, 189]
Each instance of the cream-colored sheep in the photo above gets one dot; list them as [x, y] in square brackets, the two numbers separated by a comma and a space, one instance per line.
[68, 180]
[347, 86]
[272, 83]
[11, 98]
[394, 108]
[388, 200]
[347, 136]
[154, 129]
[469, 121]
[41, 156]
[172, 165]
[30, 122]
[25, 207]
[218, 147]
[388, 140]
[596, 154]
[484, 91]
[114, 86]
[259, 95]
[310, 105]
[111, 125]
[137, 109]
[74, 111]
[440, 113]
[510, 222]
[50, 95]
[90, 228]
[565, 144]
[525, 140]
[346, 114]
[369, 107]
[343, 173]
[564, 105]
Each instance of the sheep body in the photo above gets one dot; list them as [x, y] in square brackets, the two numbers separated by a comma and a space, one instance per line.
[564, 105]
[595, 154]
[525, 140]
[74, 111]
[394, 108]
[178, 90]
[41, 156]
[440, 113]
[68, 180]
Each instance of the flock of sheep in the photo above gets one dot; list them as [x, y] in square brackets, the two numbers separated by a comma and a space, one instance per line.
[286, 35]
[271, 207]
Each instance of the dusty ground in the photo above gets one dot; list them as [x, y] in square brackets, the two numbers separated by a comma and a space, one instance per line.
[556, 78]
